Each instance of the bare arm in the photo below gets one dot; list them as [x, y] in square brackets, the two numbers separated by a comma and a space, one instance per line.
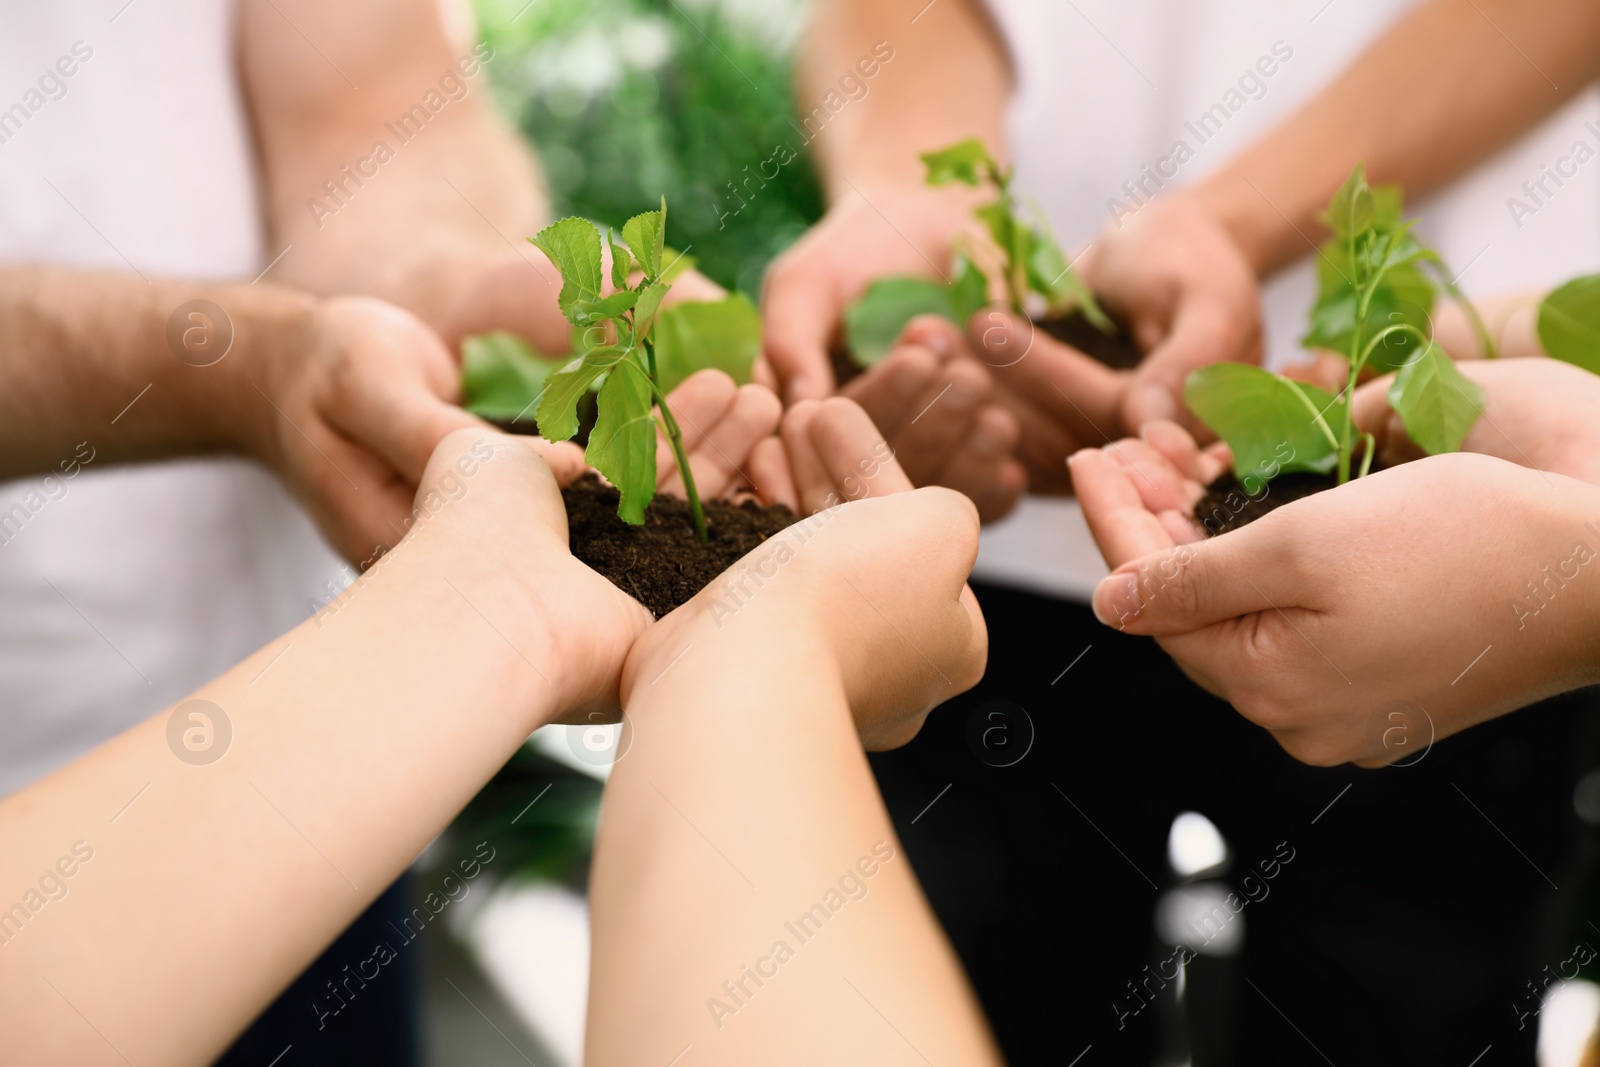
[163, 900]
[1446, 87]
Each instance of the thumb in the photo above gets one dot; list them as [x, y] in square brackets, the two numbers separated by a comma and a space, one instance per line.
[1189, 587]
[1372, 414]
[799, 315]
[1202, 333]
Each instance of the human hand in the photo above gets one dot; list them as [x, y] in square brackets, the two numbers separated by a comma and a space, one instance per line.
[1061, 399]
[359, 399]
[916, 641]
[1539, 413]
[1188, 294]
[867, 235]
[1310, 633]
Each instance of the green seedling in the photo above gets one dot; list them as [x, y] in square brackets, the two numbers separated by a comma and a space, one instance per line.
[1032, 265]
[1377, 288]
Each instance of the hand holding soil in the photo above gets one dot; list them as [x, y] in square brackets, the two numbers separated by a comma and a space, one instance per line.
[1307, 631]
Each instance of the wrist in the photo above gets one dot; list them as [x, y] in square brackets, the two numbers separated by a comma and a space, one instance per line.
[274, 332]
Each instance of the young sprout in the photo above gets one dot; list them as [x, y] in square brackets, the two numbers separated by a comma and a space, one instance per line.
[622, 445]
[1373, 308]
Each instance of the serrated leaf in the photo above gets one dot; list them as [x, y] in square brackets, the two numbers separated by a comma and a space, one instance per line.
[722, 334]
[646, 234]
[967, 162]
[573, 245]
[502, 376]
[969, 293]
[874, 322]
[591, 311]
[644, 312]
[1352, 209]
[1438, 404]
[558, 407]
[1569, 322]
[1270, 422]
[622, 445]
[621, 262]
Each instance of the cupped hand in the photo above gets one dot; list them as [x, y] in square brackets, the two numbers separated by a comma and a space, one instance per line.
[1538, 413]
[360, 402]
[1186, 290]
[1411, 589]
[1062, 399]
[868, 234]
[872, 584]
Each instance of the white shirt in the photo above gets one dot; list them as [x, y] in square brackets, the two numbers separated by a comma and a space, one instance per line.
[1108, 87]
[124, 588]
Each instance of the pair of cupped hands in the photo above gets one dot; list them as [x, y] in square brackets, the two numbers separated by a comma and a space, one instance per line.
[868, 591]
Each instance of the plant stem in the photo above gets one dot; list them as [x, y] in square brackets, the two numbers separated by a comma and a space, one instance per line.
[1347, 422]
[675, 439]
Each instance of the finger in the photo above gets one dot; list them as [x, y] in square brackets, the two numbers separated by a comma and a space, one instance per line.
[1203, 332]
[812, 481]
[1044, 444]
[1372, 414]
[888, 392]
[859, 462]
[1078, 391]
[1182, 451]
[1121, 524]
[937, 334]
[718, 461]
[1323, 370]
[983, 468]
[769, 473]
[564, 459]
[399, 421]
[945, 417]
[800, 314]
[1183, 529]
[698, 402]
[1182, 589]
[1161, 485]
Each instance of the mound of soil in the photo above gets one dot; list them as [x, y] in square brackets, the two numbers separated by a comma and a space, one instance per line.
[1227, 506]
[662, 564]
[1115, 350]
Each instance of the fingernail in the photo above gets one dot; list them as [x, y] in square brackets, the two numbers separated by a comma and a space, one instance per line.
[935, 340]
[1150, 402]
[961, 400]
[907, 384]
[1116, 601]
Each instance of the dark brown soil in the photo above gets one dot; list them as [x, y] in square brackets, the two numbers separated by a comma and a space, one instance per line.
[844, 365]
[1226, 506]
[662, 564]
[1115, 350]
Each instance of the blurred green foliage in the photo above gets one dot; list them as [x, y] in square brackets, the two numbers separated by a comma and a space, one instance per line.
[627, 100]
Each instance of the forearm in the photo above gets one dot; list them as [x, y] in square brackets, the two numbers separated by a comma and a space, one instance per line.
[743, 842]
[120, 363]
[947, 78]
[354, 740]
[1441, 90]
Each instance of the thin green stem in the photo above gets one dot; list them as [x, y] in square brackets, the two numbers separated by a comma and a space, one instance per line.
[1366, 456]
[675, 440]
[1347, 420]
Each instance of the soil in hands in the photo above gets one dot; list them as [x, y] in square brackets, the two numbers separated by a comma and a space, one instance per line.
[1227, 506]
[662, 564]
[1115, 350]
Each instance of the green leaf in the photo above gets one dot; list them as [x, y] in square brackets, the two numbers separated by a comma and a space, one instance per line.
[1352, 209]
[622, 445]
[621, 262]
[1388, 207]
[644, 312]
[573, 245]
[873, 323]
[1437, 403]
[646, 235]
[1269, 421]
[967, 162]
[1053, 278]
[591, 311]
[1569, 322]
[724, 334]
[558, 407]
[502, 376]
[969, 293]
[1406, 295]
[1003, 227]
